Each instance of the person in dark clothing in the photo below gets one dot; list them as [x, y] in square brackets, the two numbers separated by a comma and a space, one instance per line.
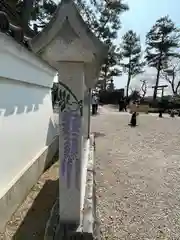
[120, 105]
[160, 113]
[133, 119]
[125, 106]
[161, 109]
[97, 102]
[172, 113]
[94, 104]
[93, 109]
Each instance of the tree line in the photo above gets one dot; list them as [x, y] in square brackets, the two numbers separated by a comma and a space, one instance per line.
[161, 53]
[103, 18]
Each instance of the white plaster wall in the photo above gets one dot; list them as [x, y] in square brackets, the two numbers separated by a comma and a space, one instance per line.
[26, 115]
[86, 145]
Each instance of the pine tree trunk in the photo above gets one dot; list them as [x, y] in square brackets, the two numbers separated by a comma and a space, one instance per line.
[157, 81]
[129, 78]
[157, 78]
[128, 83]
[156, 86]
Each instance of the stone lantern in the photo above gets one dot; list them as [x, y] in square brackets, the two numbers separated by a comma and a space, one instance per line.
[68, 45]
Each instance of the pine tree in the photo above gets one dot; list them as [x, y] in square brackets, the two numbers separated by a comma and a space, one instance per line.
[37, 10]
[109, 68]
[131, 52]
[108, 23]
[43, 12]
[162, 41]
[106, 28]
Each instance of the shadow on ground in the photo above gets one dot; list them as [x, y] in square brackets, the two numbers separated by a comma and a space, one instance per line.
[94, 115]
[34, 223]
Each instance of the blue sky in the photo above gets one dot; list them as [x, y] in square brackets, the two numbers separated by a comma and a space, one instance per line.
[140, 18]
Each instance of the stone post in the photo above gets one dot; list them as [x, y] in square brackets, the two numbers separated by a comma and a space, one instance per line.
[73, 50]
[71, 78]
[86, 119]
[89, 113]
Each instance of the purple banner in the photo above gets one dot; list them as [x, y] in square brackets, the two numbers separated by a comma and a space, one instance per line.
[71, 124]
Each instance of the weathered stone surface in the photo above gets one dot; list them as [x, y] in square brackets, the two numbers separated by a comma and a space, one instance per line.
[89, 228]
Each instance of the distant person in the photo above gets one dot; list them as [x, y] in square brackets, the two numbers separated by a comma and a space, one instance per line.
[125, 105]
[172, 113]
[161, 109]
[94, 104]
[133, 121]
[160, 113]
[121, 104]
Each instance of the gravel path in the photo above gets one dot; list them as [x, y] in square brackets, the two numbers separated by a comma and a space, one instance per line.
[138, 176]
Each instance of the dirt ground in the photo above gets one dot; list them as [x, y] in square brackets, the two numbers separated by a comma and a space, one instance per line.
[29, 221]
[138, 176]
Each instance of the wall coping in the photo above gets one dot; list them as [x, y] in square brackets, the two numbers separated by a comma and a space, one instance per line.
[36, 66]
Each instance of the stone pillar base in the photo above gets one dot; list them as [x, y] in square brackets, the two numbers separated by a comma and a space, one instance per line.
[89, 227]
[70, 231]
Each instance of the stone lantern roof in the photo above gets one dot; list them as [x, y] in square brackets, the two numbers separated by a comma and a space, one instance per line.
[67, 38]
